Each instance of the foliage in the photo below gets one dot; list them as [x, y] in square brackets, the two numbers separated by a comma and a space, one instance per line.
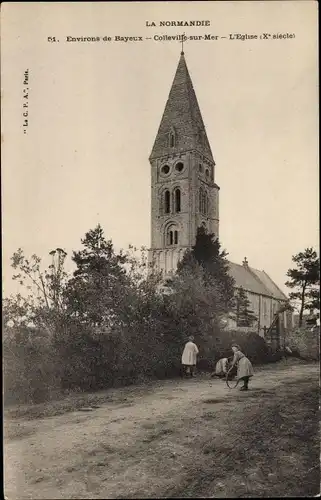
[99, 281]
[305, 342]
[208, 254]
[252, 345]
[313, 296]
[16, 310]
[244, 315]
[47, 286]
[112, 322]
[43, 301]
[305, 280]
[29, 365]
[195, 302]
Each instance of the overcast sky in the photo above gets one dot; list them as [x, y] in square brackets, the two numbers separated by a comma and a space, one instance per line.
[95, 107]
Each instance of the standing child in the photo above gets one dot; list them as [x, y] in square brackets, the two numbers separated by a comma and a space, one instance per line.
[244, 366]
[189, 356]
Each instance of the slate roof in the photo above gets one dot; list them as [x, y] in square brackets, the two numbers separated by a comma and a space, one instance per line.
[270, 285]
[182, 114]
[255, 281]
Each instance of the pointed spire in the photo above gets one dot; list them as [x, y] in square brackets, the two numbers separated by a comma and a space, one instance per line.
[182, 117]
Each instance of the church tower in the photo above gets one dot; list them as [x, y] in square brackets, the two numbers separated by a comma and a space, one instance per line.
[184, 194]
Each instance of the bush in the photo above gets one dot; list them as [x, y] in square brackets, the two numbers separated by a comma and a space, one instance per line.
[37, 368]
[274, 357]
[305, 342]
[29, 366]
[252, 345]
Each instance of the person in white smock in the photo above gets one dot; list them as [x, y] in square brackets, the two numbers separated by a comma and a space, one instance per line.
[189, 357]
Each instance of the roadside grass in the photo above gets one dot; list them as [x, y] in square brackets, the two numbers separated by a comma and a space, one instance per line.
[13, 429]
[273, 450]
[69, 403]
[262, 446]
[75, 401]
[123, 397]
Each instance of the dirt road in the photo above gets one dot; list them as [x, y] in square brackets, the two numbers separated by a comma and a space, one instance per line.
[174, 438]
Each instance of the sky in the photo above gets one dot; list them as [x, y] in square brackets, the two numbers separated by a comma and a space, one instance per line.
[95, 107]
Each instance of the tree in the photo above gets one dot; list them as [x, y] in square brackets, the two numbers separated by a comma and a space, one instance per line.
[208, 254]
[16, 311]
[305, 279]
[43, 300]
[195, 306]
[244, 315]
[57, 277]
[99, 282]
[313, 297]
[32, 318]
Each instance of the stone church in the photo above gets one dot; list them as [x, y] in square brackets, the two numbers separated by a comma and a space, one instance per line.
[185, 196]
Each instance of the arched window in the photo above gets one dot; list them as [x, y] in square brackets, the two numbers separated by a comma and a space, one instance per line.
[203, 202]
[206, 210]
[172, 137]
[172, 235]
[177, 200]
[167, 202]
[201, 196]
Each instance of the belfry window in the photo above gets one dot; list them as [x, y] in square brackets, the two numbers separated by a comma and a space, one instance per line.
[172, 236]
[179, 167]
[177, 200]
[167, 202]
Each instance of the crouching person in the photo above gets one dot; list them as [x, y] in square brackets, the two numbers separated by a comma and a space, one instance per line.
[224, 368]
[221, 368]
